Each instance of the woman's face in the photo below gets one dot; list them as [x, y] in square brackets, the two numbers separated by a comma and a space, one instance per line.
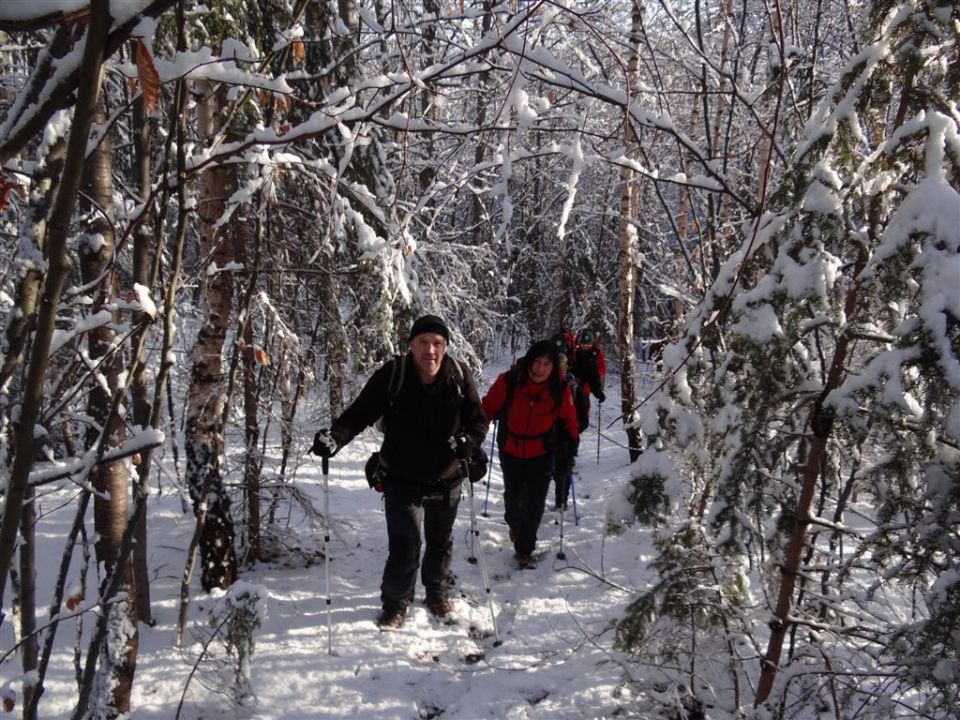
[541, 368]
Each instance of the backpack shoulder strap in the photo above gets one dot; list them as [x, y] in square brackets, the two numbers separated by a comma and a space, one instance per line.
[398, 369]
[556, 388]
[511, 381]
[460, 376]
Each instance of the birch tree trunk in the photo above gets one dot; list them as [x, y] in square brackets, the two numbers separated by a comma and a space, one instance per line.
[109, 479]
[627, 236]
[203, 439]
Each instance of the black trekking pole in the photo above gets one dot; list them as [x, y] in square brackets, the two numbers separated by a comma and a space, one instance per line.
[325, 464]
[490, 469]
[561, 555]
[475, 532]
[599, 405]
[573, 496]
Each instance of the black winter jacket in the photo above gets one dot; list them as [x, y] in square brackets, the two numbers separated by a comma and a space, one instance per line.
[418, 425]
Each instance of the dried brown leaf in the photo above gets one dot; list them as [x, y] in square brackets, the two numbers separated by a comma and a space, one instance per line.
[149, 78]
[299, 51]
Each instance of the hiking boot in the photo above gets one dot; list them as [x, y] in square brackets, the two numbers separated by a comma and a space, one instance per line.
[391, 619]
[526, 561]
[439, 607]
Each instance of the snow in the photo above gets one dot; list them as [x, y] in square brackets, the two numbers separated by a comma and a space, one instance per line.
[146, 302]
[576, 155]
[556, 660]
[62, 336]
[952, 425]
[821, 199]
[520, 99]
[28, 9]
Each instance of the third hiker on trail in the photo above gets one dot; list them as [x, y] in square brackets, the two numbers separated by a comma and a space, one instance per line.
[566, 448]
[530, 401]
[433, 428]
[590, 366]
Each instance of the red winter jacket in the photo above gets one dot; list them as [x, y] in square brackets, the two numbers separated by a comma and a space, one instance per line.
[532, 414]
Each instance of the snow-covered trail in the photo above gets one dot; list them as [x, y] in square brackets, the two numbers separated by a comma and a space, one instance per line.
[556, 659]
[553, 621]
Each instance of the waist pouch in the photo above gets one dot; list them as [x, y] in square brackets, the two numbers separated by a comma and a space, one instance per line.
[435, 491]
[375, 470]
[411, 491]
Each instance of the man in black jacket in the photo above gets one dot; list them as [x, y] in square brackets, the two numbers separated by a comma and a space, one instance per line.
[432, 423]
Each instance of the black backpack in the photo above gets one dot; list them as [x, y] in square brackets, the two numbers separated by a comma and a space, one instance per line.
[580, 401]
[586, 369]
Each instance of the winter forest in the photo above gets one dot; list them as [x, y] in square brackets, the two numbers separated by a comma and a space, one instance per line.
[218, 217]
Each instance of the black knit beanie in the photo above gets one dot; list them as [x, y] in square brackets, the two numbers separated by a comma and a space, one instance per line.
[429, 324]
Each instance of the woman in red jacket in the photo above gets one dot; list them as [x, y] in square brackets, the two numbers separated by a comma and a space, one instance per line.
[532, 403]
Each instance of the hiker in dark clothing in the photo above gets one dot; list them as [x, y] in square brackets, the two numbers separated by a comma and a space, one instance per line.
[530, 400]
[588, 364]
[433, 426]
[586, 368]
[566, 448]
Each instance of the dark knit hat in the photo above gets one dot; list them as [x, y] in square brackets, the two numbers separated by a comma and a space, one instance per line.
[560, 342]
[429, 324]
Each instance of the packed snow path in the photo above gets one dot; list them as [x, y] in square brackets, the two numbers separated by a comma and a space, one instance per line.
[556, 659]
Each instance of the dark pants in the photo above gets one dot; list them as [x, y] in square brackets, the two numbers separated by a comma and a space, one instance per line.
[405, 513]
[525, 485]
[563, 469]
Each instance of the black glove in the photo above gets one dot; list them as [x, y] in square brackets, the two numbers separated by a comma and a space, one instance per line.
[324, 444]
[601, 396]
[463, 446]
[478, 466]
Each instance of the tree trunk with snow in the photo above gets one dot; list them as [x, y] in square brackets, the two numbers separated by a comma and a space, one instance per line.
[110, 480]
[25, 439]
[144, 245]
[249, 357]
[204, 441]
[28, 595]
[627, 236]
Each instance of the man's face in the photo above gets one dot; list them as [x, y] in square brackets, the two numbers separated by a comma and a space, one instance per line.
[541, 368]
[428, 350]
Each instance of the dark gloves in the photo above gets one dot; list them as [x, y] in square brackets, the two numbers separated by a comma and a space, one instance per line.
[477, 469]
[463, 446]
[324, 444]
[601, 396]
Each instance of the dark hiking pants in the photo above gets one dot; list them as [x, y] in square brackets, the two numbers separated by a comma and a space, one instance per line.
[563, 469]
[405, 513]
[525, 485]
